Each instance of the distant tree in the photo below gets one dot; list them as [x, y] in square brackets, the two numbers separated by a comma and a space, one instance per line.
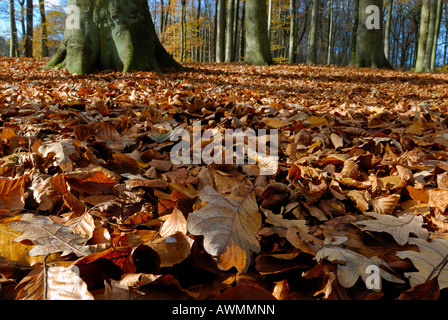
[312, 35]
[370, 41]
[221, 32]
[29, 29]
[44, 29]
[13, 51]
[258, 51]
[292, 31]
[423, 36]
[390, 5]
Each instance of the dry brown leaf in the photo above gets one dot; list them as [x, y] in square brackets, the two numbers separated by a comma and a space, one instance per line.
[399, 227]
[430, 261]
[229, 227]
[385, 204]
[12, 193]
[174, 222]
[48, 237]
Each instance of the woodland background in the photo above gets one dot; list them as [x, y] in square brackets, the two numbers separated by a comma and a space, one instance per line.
[189, 29]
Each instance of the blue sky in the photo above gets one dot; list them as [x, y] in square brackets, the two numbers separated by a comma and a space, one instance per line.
[4, 23]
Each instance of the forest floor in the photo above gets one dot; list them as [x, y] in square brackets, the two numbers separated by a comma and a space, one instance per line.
[92, 207]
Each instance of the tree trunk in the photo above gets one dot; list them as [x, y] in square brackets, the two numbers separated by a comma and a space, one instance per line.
[29, 29]
[270, 21]
[183, 37]
[292, 31]
[354, 33]
[235, 30]
[312, 36]
[243, 32]
[43, 23]
[258, 51]
[330, 33]
[221, 32]
[390, 5]
[229, 31]
[423, 36]
[436, 34]
[370, 41]
[112, 34]
[13, 48]
[431, 32]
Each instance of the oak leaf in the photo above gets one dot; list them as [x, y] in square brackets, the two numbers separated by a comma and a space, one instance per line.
[431, 261]
[229, 227]
[352, 265]
[399, 227]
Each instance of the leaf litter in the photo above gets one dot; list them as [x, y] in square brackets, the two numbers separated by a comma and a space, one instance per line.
[87, 184]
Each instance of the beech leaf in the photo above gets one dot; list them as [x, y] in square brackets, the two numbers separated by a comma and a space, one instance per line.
[228, 227]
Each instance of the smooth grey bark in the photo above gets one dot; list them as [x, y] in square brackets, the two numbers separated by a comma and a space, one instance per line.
[113, 34]
[229, 31]
[354, 33]
[270, 20]
[423, 36]
[29, 29]
[330, 33]
[390, 4]
[43, 25]
[431, 33]
[312, 35]
[258, 51]
[13, 46]
[370, 41]
[292, 31]
[436, 34]
[221, 32]
[183, 31]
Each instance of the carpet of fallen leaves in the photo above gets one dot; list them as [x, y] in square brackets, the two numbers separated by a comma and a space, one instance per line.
[91, 207]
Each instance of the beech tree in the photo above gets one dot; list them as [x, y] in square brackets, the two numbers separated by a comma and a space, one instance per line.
[13, 51]
[370, 42]
[258, 49]
[111, 34]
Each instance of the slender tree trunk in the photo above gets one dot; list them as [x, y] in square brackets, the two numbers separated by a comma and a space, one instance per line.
[183, 38]
[13, 48]
[423, 36]
[354, 33]
[431, 32]
[229, 31]
[330, 33]
[215, 34]
[445, 51]
[29, 29]
[312, 35]
[436, 34]
[258, 51]
[270, 21]
[22, 24]
[221, 33]
[390, 4]
[370, 43]
[235, 29]
[43, 23]
[292, 32]
[243, 32]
